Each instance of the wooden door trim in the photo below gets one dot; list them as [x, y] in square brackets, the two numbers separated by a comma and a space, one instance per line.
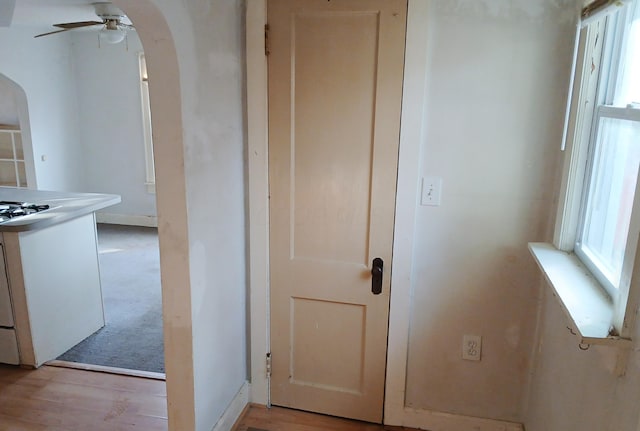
[406, 204]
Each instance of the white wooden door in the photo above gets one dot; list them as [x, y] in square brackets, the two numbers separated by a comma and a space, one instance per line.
[335, 89]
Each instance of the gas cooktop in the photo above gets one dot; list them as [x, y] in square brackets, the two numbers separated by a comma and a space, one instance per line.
[10, 209]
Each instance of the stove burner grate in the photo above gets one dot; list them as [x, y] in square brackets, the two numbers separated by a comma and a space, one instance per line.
[12, 209]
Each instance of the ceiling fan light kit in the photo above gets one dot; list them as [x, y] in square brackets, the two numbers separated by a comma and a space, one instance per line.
[112, 34]
[113, 31]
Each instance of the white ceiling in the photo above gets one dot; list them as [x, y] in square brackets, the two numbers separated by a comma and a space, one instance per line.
[45, 13]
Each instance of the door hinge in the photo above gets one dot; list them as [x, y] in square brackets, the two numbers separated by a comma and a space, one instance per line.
[267, 51]
[268, 363]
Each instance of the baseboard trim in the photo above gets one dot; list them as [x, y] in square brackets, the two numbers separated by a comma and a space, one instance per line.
[106, 369]
[126, 219]
[234, 410]
[439, 421]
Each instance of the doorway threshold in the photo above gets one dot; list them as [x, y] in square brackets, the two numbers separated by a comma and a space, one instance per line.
[106, 369]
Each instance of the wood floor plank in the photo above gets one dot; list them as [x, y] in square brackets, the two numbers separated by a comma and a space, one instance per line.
[281, 419]
[56, 399]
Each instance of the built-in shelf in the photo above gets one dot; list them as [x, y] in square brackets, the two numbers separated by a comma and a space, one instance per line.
[12, 167]
[583, 300]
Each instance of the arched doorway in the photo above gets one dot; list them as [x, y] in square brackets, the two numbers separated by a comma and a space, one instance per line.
[14, 113]
[165, 97]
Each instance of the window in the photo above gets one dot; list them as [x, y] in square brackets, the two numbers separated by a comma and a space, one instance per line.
[599, 214]
[614, 153]
[590, 265]
[150, 181]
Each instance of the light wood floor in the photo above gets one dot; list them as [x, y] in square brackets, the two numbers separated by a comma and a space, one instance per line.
[280, 419]
[61, 399]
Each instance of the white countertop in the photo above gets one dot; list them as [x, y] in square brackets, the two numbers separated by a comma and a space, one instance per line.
[62, 206]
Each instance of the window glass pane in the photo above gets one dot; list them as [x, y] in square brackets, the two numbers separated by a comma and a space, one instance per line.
[628, 83]
[143, 68]
[610, 195]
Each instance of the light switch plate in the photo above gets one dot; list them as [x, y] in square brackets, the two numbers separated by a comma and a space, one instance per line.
[431, 191]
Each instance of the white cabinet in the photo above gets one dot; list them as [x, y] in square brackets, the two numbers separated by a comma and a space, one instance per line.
[9, 347]
[12, 167]
[51, 265]
[6, 313]
[55, 287]
[8, 341]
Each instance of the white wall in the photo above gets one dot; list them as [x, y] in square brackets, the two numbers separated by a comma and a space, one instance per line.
[496, 88]
[211, 325]
[576, 390]
[83, 107]
[44, 69]
[8, 105]
[212, 88]
[110, 121]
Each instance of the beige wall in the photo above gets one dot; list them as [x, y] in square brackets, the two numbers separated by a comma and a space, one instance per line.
[496, 88]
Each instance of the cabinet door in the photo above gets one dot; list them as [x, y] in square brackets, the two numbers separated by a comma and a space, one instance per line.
[8, 347]
[6, 314]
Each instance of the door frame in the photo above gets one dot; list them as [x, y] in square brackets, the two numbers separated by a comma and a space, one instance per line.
[411, 137]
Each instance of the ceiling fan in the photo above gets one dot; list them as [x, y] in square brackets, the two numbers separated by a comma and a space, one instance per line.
[113, 29]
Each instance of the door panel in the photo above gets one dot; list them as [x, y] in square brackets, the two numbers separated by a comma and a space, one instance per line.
[315, 324]
[335, 82]
[321, 162]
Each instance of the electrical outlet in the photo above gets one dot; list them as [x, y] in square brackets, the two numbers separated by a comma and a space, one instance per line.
[431, 191]
[471, 347]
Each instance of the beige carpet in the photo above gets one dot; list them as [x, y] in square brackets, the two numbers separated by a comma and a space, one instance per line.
[130, 276]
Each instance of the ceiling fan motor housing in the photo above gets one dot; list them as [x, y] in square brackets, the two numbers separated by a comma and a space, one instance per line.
[108, 11]
[111, 24]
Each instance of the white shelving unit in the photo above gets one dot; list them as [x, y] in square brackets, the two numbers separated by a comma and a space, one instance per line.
[12, 167]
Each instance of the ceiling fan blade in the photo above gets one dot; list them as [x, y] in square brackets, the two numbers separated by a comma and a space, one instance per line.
[70, 25]
[52, 32]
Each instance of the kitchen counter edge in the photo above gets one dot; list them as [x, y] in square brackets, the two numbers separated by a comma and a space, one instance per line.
[63, 207]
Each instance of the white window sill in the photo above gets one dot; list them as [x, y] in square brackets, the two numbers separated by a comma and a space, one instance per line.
[582, 298]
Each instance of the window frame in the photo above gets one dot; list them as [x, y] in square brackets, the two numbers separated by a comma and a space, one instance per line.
[145, 104]
[598, 57]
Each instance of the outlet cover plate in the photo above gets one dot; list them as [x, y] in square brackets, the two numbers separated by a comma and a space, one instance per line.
[471, 347]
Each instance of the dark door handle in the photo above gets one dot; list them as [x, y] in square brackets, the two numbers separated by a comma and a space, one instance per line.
[377, 269]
